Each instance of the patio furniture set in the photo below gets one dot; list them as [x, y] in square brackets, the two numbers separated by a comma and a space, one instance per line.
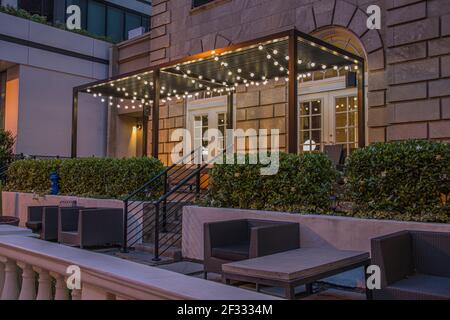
[413, 264]
[77, 226]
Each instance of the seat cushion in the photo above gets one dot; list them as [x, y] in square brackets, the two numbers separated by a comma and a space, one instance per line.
[68, 237]
[419, 287]
[232, 252]
[34, 225]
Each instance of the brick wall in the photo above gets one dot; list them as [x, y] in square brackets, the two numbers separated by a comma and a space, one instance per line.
[408, 60]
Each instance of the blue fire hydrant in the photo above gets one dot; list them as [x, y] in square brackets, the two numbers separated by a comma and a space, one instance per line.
[54, 178]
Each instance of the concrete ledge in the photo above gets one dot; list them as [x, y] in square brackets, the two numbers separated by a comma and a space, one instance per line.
[107, 275]
[342, 233]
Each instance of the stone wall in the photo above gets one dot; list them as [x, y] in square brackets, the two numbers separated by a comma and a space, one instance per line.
[407, 60]
[263, 107]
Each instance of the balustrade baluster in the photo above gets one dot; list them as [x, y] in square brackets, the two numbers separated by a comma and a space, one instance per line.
[45, 285]
[76, 294]
[11, 285]
[28, 290]
[2, 274]
[61, 291]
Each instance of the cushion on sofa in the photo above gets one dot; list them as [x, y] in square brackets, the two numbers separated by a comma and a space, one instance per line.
[418, 287]
[235, 252]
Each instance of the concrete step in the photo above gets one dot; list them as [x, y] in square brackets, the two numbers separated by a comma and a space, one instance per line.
[173, 253]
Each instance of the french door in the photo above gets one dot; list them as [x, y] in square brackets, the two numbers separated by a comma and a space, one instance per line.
[204, 115]
[328, 118]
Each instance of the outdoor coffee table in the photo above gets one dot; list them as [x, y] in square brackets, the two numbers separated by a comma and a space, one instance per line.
[295, 267]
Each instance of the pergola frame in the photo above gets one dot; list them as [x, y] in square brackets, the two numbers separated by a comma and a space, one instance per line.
[292, 35]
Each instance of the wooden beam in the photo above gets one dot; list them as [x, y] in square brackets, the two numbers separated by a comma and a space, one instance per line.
[155, 113]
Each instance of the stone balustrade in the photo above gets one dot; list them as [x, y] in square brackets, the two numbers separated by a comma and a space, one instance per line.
[32, 269]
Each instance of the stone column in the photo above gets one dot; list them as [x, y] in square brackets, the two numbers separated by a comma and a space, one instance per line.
[28, 290]
[76, 294]
[61, 291]
[11, 284]
[45, 285]
[2, 275]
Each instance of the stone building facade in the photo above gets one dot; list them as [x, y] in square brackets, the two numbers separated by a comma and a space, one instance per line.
[407, 60]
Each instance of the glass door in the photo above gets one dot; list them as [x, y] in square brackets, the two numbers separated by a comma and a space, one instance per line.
[328, 118]
[208, 114]
[311, 125]
[346, 122]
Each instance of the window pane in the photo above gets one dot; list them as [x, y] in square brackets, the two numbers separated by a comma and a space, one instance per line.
[32, 6]
[341, 104]
[115, 26]
[341, 135]
[132, 21]
[304, 123]
[96, 18]
[341, 119]
[316, 107]
[316, 122]
[304, 109]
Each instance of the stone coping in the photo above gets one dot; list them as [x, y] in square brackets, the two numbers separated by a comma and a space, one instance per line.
[116, 275]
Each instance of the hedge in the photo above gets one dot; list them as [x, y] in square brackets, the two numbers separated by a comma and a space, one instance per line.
[303, 183]
[87, 177]
[408, 179]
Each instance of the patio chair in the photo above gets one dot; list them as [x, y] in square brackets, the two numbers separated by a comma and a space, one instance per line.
[415, 265]
[336, 155]
[43, 220]
[236, 240]
[90, 227]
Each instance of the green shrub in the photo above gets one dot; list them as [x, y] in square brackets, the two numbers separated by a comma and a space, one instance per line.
[6, 148]
[303, 183]
[89, 177]
[407, 178]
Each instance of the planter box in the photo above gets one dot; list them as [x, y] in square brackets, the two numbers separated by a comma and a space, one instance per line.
[15, 204]
[315, 230]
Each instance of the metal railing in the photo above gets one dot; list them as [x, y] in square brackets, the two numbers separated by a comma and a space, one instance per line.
[152, 214]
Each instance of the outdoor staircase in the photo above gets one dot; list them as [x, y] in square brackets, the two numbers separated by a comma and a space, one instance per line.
[154, 211]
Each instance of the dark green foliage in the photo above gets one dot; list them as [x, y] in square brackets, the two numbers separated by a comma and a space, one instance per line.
[303, 183]
[408, 178]
[6, 148]
[90, 177]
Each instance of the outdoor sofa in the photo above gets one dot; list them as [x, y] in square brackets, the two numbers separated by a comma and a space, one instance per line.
[415, 265]
[237, 240]
[90, 226]
[43, 220]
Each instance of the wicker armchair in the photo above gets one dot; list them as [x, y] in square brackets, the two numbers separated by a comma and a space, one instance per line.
[414, 265]
[44, 221]
[90, 226]
[236, 240]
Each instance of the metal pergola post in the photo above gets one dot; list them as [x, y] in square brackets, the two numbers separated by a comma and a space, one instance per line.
[73, 153]
[155, 112]
[361, 106]
[145, 131]
[292, 94]
[230, 105]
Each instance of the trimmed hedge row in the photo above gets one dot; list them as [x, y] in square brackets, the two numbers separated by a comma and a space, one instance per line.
[410, 178]
[88, 177]
[303, 183]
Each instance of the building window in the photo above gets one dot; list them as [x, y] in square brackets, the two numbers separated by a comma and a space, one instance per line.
[198, 3]
[39, 7]
[2, 99]
[96, 17]
[99, 18]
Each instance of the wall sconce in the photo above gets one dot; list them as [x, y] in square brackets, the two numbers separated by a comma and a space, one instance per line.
[139, 125]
